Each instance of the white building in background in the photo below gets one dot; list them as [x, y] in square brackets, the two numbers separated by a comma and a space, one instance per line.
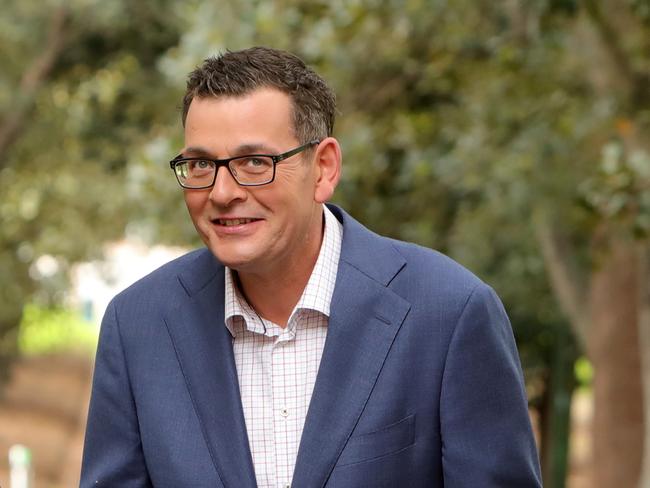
[95, 283]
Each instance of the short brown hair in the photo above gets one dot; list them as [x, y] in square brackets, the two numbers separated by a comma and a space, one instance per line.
[237, 73]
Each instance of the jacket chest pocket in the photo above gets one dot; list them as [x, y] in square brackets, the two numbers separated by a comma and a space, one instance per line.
[378, 443]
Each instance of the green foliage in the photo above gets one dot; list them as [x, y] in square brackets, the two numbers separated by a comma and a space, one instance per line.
[584, 372]
[47, 330]
[620, 189]
[80, 95]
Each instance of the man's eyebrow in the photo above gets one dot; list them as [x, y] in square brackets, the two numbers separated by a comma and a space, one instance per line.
[253, 148]
[241, 150]
[195, 151]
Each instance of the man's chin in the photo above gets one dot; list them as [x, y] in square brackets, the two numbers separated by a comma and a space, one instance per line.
[235, 261]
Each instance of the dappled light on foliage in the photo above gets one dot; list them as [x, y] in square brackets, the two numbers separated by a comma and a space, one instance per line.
[47, 331]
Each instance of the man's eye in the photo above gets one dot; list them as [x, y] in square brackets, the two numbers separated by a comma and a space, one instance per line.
[256, 162]
[201, 165]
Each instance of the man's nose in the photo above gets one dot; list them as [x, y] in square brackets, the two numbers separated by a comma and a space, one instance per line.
[226, 190]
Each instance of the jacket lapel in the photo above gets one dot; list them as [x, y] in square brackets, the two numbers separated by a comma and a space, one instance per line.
[365, 317]
[204, 349]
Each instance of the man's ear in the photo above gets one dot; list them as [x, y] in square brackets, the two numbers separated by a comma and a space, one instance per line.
[328, 169]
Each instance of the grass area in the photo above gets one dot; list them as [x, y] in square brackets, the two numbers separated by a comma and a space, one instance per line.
[47, 330]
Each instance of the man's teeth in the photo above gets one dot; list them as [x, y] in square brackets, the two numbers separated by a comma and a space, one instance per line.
[230, 222]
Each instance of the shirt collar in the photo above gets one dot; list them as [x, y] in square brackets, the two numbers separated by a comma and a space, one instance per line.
[317, 294]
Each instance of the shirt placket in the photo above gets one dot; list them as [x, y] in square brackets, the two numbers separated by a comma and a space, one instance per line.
[284, 409]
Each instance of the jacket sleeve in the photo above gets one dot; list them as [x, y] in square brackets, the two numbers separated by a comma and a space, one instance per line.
[487, 439]
[112, 451]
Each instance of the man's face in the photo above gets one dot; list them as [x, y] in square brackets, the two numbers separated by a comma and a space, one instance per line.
[253, 229]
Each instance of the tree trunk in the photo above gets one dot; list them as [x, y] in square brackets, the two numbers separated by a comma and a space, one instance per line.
[644, 335]
[556, 408]
[613, 347]
[9, 323]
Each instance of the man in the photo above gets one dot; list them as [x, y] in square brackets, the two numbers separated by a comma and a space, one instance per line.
[299, 349]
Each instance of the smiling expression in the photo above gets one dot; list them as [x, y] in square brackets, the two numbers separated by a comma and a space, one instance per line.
[261, 230]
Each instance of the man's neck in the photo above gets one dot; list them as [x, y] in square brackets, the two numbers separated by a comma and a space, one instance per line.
[273, 294]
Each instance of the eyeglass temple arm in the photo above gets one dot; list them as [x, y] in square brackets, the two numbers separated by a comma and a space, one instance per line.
[295, 151]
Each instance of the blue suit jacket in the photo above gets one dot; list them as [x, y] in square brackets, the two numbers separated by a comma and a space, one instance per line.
[419, 385]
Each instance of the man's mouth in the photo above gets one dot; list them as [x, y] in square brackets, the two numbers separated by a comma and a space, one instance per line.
[232, 222]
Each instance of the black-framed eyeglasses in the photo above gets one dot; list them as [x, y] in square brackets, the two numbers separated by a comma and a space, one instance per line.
[248, 170]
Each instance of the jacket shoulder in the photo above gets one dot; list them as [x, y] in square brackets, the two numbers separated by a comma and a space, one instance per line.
[434, 283]
[166, 280]
[435, 266]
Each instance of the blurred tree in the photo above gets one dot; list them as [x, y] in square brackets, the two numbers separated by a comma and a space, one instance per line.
[79, 90]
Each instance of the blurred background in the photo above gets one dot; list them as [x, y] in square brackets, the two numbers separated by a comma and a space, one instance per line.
[512, 135]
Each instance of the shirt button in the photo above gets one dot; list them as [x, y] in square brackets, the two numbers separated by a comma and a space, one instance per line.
[284, 412]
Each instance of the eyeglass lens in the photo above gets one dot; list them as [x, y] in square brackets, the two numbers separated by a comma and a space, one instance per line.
[251, 170]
